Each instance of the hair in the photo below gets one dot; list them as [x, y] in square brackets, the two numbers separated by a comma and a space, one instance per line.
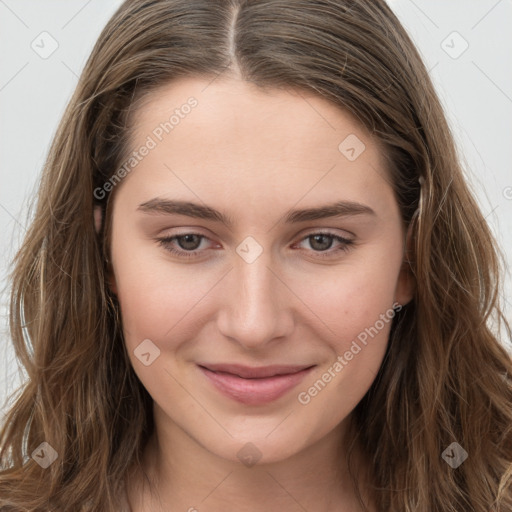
[446, 375]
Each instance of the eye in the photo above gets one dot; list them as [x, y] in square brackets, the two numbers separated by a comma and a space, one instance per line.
[189, 244]
[323, 241]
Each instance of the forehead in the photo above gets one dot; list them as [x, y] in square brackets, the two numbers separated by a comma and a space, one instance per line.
[224, 104]
[226, 138]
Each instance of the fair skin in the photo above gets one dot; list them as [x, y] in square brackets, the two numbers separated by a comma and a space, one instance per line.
[253, 156]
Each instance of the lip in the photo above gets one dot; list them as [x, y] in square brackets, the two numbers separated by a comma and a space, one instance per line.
[254, 386]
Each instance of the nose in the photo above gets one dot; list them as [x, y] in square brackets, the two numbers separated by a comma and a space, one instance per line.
[256, 304]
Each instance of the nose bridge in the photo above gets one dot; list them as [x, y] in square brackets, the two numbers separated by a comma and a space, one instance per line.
[254, 309]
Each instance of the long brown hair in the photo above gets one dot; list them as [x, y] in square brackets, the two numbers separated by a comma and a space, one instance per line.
[445, 378]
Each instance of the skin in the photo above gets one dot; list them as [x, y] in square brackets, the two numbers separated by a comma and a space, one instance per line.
[253, 155]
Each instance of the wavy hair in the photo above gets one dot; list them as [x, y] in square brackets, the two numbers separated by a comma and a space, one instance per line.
[446, 375]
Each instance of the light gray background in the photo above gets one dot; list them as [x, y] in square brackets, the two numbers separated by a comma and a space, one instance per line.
[475, 87]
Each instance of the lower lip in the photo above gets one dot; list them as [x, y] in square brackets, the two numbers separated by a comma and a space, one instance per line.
[254, 391]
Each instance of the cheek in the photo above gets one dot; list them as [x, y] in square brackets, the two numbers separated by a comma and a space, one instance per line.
[354, 312]
[157, 301]
[357, 337]
[352, 296]
[153, 293]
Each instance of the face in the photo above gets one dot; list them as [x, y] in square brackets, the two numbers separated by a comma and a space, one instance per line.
[253, 275]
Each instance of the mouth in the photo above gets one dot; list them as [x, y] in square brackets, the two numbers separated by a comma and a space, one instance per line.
[254, 386]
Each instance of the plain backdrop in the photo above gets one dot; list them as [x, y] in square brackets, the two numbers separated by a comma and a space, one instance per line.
[466, 45]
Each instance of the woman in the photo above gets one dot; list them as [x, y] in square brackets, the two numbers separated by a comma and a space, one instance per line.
[190, 341]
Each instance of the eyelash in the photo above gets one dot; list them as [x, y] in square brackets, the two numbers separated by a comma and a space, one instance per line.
[166, 241]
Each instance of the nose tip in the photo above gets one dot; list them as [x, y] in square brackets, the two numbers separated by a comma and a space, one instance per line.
[255, 309]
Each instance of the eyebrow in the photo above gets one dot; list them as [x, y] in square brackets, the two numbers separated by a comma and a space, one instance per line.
[174, 207]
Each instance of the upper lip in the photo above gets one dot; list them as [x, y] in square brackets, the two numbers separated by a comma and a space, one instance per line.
[248, 372]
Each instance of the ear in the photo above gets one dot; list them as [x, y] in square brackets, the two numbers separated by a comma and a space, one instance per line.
[98, 220]
[406, 283]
